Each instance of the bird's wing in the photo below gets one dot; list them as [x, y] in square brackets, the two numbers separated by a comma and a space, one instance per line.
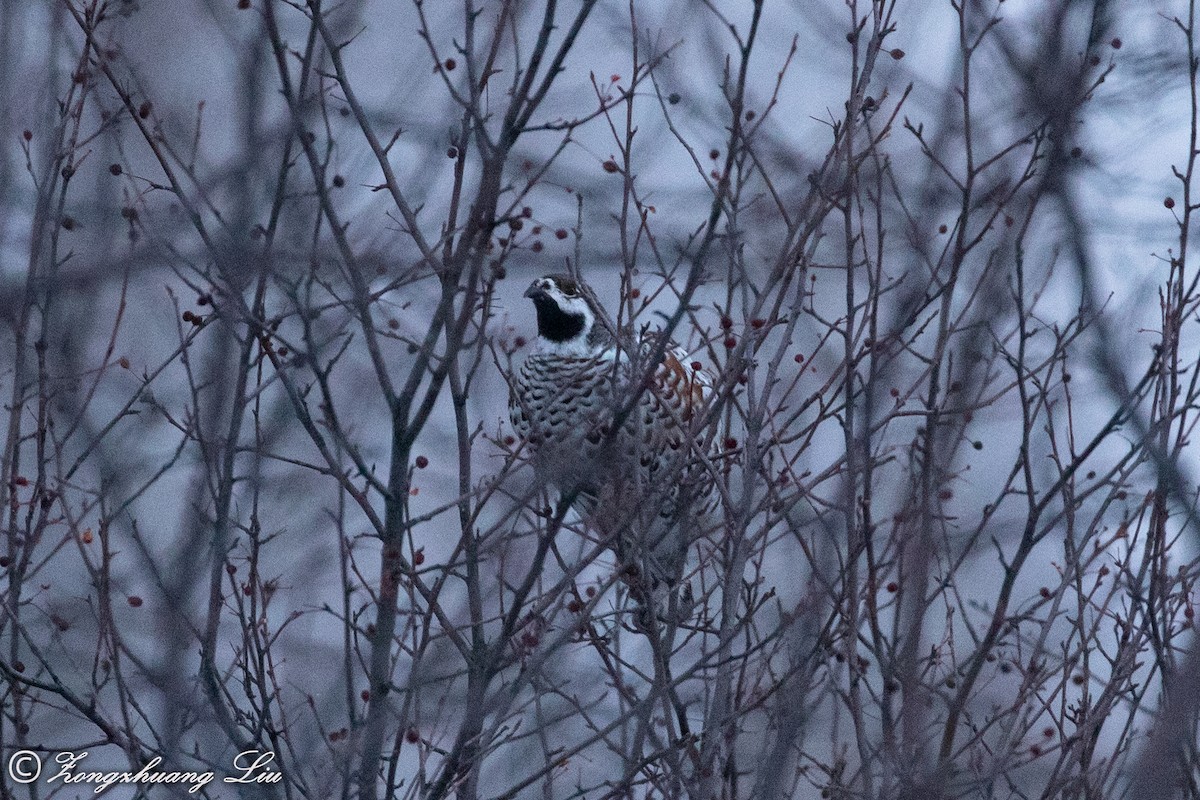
[687, 379]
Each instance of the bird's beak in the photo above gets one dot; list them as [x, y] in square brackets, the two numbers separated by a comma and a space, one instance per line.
[534, 291]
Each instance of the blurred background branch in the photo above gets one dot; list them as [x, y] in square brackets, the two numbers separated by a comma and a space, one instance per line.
[261, 275]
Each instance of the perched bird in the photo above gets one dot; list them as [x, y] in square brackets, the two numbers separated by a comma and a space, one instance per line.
[620, 434]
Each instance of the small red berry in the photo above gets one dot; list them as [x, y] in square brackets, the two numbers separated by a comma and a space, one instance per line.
[635, 293]
[449, 64]
[144, 109]
[942, 228]
[1169, 202]
[590, 591]
[365, 694]
[135, 601]
[892, 587]
[1116, 44]
[611, 166]
[412, 737]
[123, 362]
[798, 358]
[730, 343]
[519, 341]
[27, 135]
[714, 154]
[560, 234]
[115, 169]
[339, 181]
[451, 152]
[897, 53]
[730, 443]
[1044, 592]
[536, 247]
[726, 323]
[422, 462]
[419, 557]
[573, 606]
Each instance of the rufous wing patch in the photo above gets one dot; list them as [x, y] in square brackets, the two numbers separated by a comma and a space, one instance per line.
[688, 382]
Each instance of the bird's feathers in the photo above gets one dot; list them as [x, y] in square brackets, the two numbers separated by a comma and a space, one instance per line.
[602, 422]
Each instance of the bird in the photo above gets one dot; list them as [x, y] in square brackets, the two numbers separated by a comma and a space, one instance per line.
[620, 435]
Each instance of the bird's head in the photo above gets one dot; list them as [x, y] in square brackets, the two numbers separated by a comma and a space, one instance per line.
[566, 315]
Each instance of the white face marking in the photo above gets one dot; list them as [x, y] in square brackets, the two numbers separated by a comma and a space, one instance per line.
[570, 303]
[575, 305]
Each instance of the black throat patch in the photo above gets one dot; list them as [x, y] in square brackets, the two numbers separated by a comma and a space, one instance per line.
[554, 323]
